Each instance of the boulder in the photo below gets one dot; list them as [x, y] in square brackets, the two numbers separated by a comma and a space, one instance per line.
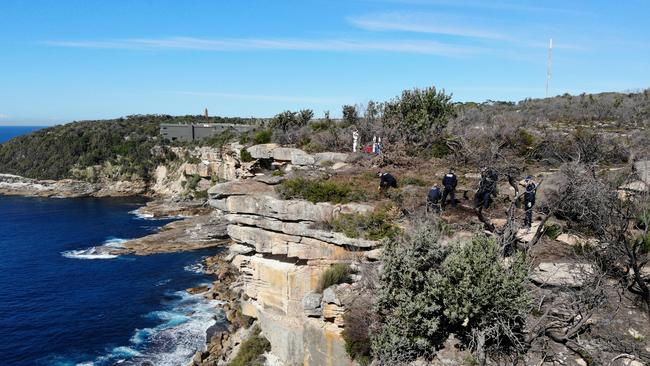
[374, 254]
[190, 169]
[333, 157]
[569, 239]
[263, 151]
[285, 153]
[562, 274]
[286, 210]
[311, 304]
[329, 296]
[301, 158]
[203, 169]
[643, 170]
[234, 188]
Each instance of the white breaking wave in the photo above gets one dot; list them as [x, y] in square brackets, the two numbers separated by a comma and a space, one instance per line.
[197, 267]
[181, 332]
[142, 216]
[97, 252]
[90, 253]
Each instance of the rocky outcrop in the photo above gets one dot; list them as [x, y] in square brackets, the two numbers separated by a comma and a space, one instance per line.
[562, 274]
[67, 188]
[193, 233]
[295, 156]
[281, 252]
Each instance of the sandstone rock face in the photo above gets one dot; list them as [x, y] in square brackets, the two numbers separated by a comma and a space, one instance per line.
[282, 254]
[67, 188]
[643, 170]
[263, 151]
[311, 304]
[333, 157]
[239, 188]
[562, 274]
[286, 210]
[297, 157]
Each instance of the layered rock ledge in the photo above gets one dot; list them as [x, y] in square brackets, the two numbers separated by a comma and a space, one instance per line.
[280, 253]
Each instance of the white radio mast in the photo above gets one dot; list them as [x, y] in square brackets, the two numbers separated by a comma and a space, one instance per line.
[549, 64]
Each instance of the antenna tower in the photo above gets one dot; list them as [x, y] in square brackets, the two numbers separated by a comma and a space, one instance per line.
[549, 64]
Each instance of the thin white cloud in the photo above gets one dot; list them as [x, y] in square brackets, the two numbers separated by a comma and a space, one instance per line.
[265, 98]
[424, 23]
[496, 5]
[446, 24]
[250, 44]
[3, 116]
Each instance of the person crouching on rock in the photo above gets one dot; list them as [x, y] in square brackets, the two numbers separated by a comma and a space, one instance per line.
[386, 181]
[433, 199]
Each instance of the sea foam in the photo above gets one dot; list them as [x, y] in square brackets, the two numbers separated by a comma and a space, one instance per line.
[180, 333]
[97, 252]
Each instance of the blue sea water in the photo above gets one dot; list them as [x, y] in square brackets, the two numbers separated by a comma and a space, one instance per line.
[63, 303]
[9, 132]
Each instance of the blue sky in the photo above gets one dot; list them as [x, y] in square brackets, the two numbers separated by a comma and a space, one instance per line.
[69, 60]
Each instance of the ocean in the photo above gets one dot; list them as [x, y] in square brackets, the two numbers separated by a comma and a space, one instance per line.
[9, 132]
[62, 303]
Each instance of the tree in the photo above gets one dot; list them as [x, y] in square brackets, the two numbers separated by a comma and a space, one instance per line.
[350, 114]
[419, 115]
[304, 116]
[284, 121]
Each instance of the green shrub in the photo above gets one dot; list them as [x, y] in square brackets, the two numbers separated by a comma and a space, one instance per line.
[251, 349]
[262, 137]
[192, 182]
[356, 333]
[201, 195]
[440, 149]
[337, 273]
[372, 226]
[244, 138]
[320, 191]
[482, 293]
[552, 231]
[313, 148]
[278, 173]
[427, 291]
[321, 125]
[409, 307]
[582, 248]
[414, 182]
[245, 156]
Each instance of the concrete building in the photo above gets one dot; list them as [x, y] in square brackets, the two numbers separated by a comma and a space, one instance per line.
[192, 132]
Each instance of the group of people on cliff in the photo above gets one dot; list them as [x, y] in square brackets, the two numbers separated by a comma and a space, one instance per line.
[437, 199]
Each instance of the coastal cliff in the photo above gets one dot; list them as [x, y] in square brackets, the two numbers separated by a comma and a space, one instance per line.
[192, 170]
[280, 257]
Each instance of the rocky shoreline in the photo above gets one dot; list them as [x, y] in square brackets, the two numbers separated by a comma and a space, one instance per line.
[14, 185]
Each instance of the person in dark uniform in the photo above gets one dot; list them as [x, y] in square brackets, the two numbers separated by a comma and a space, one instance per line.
[433, 199]
[487, 188]
[449, 182]
[529, 199]
[386, 181]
